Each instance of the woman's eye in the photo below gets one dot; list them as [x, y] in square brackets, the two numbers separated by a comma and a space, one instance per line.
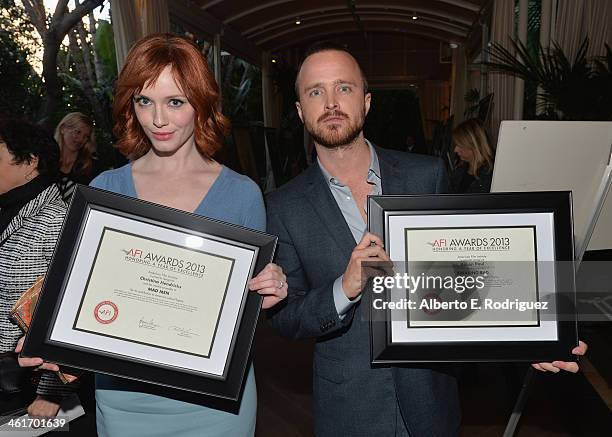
[142, 101]
[175, 102]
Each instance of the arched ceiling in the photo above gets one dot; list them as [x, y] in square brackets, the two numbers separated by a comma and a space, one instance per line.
[271, 24]
[398, 42]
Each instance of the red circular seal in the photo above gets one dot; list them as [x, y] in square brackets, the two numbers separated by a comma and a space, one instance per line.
[106, 312]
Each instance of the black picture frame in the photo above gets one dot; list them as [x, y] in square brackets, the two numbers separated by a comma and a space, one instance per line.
[228, 385]
[558, 203]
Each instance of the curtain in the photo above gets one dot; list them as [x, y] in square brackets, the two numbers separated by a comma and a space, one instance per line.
[435, 100]
[459, 85]
[570, 26]
[502, 85]
[133, 20]
[271, 111]
[576, 20]
[125, 28]
[599, 17]
[154, 16]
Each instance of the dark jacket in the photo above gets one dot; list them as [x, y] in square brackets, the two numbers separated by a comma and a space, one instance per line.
[463, 182]
[26, 248]
[351, 398]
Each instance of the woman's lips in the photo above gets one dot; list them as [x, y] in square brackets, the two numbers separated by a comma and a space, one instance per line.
[162, 136]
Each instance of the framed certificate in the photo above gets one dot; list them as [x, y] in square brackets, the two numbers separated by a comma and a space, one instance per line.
[486, 277]
[146, 292]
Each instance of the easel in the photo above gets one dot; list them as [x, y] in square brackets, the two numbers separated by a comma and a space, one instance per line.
[601, 304]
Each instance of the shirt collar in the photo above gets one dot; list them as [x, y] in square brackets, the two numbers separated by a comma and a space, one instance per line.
[373, 171]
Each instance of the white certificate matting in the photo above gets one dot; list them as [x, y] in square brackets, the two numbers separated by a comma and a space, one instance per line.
[154, 294]
[503, 257]
[411, 238]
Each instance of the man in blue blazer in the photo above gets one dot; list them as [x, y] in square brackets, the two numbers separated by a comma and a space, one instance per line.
[321, 223]
[320, 219]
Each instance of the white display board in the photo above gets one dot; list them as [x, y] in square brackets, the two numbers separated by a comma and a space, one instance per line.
[559, 155]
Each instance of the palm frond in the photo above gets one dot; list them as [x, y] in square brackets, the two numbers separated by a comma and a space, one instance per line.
[573, 89]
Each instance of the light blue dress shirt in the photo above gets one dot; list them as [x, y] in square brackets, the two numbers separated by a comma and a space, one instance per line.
[346, 202]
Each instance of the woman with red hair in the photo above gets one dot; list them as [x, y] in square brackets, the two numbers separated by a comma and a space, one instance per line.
[168, 123]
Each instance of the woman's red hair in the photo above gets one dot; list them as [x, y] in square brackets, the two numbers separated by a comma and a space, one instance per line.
[143, 65]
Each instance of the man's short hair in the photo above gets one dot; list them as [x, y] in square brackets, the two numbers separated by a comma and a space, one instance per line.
[324, 46]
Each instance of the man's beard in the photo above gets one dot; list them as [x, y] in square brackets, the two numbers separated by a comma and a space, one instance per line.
[332, 137]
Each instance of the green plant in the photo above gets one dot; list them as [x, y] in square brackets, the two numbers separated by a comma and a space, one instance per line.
[578, 90]
[21, 88]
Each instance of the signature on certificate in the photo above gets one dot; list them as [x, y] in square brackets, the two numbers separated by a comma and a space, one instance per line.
[183, 332]
[148, 324]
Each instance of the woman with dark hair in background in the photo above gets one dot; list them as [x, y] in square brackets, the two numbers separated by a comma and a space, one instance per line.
[472, 146]
[77, 143]
[31, 215]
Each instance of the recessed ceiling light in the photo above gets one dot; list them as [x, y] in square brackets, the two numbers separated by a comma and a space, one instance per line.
[274, 61]
[453, 45]
[414, 17]
[298, 21]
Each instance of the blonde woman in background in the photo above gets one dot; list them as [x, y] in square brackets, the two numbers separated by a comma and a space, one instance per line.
[472, 146]
[75, 136]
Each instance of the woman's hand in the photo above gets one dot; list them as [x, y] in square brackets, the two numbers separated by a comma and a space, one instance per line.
[43, 407]
[34, 362]
[40, 364]
[557, 366]
[271, 283]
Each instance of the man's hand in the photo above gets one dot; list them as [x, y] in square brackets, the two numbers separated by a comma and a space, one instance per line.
[370, 248]
[556, 366]
[43, 407]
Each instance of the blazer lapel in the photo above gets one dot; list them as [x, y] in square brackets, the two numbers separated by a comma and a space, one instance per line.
[29, 209]
[393, 182]
[17, 221]
[325, 207]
